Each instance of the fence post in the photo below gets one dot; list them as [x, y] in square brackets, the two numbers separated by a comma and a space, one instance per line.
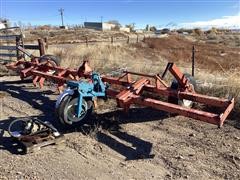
[111, 39]
[46, 42]
[41, 47]
[193, 60]
[17, 44]
[137, 38]
[86, 41]
[144, 38]
[128, 40]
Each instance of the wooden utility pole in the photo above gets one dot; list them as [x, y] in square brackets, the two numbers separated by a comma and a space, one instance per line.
[41, 47]
[86, 38]
[61, 13]
[111, 39]
[17, 44]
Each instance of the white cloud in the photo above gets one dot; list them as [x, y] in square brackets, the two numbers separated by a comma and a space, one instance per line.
[232, 22]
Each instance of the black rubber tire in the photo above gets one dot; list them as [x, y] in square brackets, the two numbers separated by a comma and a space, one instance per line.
[54, 60]
[27, 126]
[62, 111]
[175, 85]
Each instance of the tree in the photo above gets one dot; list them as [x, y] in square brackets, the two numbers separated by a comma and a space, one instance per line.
[115, 22]
[131, 26]
[20, 24]
[147, 27]
[29, 26]
[15, 24]
[153, 29]
[198, 31]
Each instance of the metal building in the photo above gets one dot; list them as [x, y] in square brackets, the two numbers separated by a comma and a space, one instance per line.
[99, 26]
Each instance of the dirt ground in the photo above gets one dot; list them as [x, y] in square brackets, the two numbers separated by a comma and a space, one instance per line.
[146, 144]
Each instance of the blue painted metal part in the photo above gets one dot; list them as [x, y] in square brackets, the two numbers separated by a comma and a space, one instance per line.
[89, 90]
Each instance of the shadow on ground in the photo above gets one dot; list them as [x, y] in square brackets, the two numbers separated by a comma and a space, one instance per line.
[110, 122]
[109, 134]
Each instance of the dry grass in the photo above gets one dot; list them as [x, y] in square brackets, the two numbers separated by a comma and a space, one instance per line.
[107, 58]
[61, 36]
[213, 57]
[222, 85]
[217, 66]
[214, 81]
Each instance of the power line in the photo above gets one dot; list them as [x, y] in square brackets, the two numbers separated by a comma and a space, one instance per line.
[30, 19]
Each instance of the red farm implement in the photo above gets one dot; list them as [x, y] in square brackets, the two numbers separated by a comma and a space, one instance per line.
[83, 85]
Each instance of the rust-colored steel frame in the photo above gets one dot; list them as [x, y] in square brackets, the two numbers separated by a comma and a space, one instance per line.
[45, 70]
[130, 92]
[133, 96]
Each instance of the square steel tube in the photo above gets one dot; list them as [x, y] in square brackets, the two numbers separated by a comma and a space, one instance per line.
[172, 108]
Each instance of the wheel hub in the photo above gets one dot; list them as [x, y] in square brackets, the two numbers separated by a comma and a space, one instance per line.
[71, 111]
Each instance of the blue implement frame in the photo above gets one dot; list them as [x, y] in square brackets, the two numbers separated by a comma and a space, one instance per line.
[87, 89]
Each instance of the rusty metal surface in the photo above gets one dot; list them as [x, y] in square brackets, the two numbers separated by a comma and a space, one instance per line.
[131, 92]
[173, 108]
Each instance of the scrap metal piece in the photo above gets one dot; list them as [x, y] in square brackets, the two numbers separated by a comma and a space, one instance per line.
[34, 134]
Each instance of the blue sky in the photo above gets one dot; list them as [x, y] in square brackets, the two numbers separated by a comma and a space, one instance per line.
[141, 12]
